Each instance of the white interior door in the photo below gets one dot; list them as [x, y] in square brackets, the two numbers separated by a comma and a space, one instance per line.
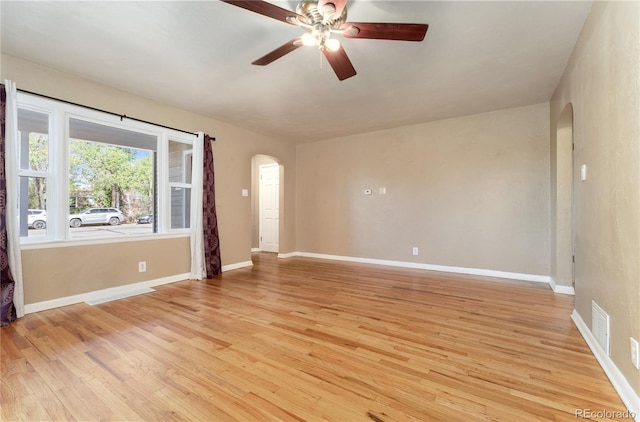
[269, 207]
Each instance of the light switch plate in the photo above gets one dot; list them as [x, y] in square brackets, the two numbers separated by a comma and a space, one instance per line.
[245, 192]
[583, 172]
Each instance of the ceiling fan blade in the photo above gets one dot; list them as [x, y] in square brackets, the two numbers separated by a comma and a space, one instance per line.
[386, 31]
[340, 63]
[264, 8]
[285, 48]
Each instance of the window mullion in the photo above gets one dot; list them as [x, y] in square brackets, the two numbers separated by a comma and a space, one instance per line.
[33, 173]
[180, 185]
[164, 192]
[59, 180]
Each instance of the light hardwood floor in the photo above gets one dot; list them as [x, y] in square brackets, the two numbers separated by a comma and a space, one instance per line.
[302, 339]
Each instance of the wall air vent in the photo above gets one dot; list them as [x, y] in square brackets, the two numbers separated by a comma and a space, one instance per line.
[600, 326]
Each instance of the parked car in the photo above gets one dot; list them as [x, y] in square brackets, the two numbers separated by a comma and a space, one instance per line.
[111, 216]
[145, 219]
[37, 219]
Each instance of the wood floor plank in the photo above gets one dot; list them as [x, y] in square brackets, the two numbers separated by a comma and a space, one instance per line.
[307, 340]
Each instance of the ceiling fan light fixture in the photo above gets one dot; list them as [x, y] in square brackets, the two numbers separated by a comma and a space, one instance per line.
[332, 44]
[308, 39]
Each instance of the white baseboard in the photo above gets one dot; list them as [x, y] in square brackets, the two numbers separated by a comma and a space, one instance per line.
[620, 383]
[99, 298]
[124, 290]
[237, 265]
[256, 249]
[287, 255]
[421, 266]
[94, 295]
[565, 290]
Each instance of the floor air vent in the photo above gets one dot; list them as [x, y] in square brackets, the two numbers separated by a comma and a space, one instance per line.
[600, 326]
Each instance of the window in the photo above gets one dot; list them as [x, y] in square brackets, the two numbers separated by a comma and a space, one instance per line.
[90, 175]
[110, 166]
[33, 127]
[180, 158]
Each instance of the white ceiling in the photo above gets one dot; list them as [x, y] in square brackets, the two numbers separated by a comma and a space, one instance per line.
[477, 56]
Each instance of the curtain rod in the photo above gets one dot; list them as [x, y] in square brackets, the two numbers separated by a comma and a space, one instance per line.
[122, 116]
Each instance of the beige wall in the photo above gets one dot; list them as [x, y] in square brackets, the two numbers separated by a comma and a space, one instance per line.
[233, 149]
[469, 192]
[601, 82]
[68, 271]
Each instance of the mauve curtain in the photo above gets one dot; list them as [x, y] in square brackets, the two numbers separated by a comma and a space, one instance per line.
[212, 262]
[7, 282]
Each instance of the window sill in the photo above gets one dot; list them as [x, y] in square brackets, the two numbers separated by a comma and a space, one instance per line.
[84, 242]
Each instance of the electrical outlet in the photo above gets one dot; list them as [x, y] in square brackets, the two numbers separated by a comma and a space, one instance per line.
[415, 250]
[635, 353]
[142, 266]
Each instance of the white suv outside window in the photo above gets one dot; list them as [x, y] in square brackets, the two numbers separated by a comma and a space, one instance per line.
[111, 216]
[37, 219]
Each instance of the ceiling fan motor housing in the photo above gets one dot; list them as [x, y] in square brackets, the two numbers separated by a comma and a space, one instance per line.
[314, 15]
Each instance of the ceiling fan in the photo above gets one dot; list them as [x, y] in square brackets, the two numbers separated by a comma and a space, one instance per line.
[320, 19]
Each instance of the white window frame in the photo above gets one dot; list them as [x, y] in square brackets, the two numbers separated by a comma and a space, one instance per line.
[178, 185]
[53, 163]
[58, 169]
